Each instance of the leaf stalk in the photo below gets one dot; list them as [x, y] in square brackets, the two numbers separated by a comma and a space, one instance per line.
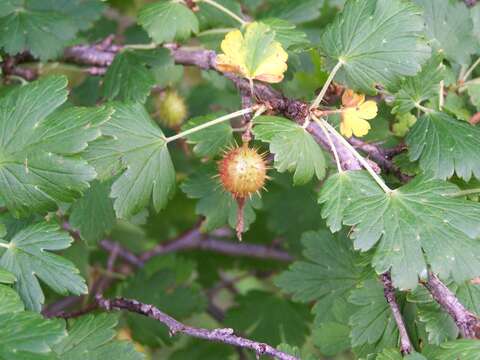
[210, 123]
[359, 157]
[322, 93]
[224, 10]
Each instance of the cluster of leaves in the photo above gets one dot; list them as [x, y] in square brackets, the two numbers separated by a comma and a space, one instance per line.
[67, 163]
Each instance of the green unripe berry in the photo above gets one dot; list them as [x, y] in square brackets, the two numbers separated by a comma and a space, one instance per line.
[404, 123]
[171, 108]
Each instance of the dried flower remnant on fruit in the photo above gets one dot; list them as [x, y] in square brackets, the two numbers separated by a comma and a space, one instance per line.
[171, 109]
[355, 113]
[243, 172]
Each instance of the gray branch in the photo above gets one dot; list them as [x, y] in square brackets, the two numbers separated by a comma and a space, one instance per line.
[467, 322]
[226, 336]
[389, 292]
[194, 239]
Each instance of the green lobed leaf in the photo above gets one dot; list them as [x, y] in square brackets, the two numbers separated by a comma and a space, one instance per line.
[333, 335]
[295, 11]
[201, 350]
[449, 29]
[282, 200]
[132, 141]
[93, 337]
[287, 34]
[6, 277]
[414, 225]
[284, 135]
[331, 270]
[168, 20]
[175, 294]
[342, 189]
[445, 146]
[93, 214]
[415, 90]
[211, 17]
[130, 76]
[270, 319]
[373, 320]
[377, 41]
[10, 300]
[474, 93]
[27, 335]
[27, 256]
[39, 146]
[439, 325]
[44, 27]
[81, 12]
[464, 349]
[210, 141]
[218, 206]
[394, 354]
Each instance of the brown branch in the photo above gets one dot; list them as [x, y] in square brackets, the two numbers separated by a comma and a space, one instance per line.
[194, 239]
[98, 57]
[125, 254]
[205, 59]
[225, 336]
[467, 322]
[389, 292]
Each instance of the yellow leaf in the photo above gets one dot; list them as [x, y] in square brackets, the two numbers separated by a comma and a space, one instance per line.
[355, 114]
[254, 55]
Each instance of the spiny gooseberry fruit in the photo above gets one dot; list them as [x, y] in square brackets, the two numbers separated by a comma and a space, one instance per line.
[171, 108]
[243, 171]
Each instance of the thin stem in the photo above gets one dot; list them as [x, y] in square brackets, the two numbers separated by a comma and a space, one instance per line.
[424, 109]
[210, 123]
[470, 70]
[20, 79]
[441, 99]
[320, 96]
[6, 246]
[140, 46]
[330, 142]
[465, 192]
[359, 157]
[462, 73]
[225, 10]
[214, 31]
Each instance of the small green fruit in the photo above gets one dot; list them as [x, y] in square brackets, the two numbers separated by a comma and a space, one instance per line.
[172, 110]
[403, 124]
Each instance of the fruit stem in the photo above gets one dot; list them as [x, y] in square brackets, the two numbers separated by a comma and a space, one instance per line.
[210, 123]
[240, 218]
[4, 245]
[320, 96]
[359, 157]
[330, 142]
[224, 10]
